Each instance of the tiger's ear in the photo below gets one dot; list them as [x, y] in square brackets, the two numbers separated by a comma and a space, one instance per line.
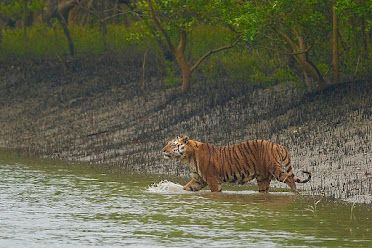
[186, 139]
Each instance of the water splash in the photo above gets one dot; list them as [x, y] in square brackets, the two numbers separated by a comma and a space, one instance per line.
[166, 187]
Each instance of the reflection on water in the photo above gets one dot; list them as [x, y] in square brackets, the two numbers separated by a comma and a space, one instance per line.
[49, 205]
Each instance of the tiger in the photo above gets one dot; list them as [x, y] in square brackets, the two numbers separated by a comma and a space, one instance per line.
[213, 165]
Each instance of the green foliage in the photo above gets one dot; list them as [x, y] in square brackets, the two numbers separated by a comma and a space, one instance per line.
[262, 57]
[351, 8]
[355, 34]
[15, 8]
[170, 79]
[237, 64]
[40, 41]
[45, 41]
[324, 68]
[244, 18]
[119, 36]
[205, 37]
[283, 75]
[184, 14]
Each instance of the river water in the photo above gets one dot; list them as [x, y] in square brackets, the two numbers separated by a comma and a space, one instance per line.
[51, 204]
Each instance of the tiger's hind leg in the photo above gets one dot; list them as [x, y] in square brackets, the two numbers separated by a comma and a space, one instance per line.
[214, 184]
[263, 185]
[285, 177]
[291, 183]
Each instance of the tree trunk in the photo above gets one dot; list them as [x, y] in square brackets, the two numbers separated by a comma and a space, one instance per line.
[186, 77]
[335, 59]
[309, 84]
[103, 25]
[300, 53]
[308, 67]
[179, 52]
[182, 62]
[143, 85]
[67, 33]
[24, 20]
[185, 70]
[1, 34]
[365, 38]
[310, 70]
[60, 11]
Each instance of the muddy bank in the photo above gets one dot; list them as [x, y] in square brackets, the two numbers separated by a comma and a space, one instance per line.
[96, 112]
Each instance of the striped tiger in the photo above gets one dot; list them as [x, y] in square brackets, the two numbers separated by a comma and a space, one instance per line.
[212, 165]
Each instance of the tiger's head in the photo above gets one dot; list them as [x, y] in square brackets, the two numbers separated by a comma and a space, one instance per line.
[176, 148]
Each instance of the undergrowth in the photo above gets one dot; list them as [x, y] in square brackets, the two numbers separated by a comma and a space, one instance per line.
[243, 63]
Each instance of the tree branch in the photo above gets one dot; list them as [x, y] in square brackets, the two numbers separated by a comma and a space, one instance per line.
[159, 26]
[90, 11]
[300, 52]
[293, 45]
[209, 53]
[287, 39]
[182, 43]
[55, 8]
[66, 6]
[7, 20]
[63, 23]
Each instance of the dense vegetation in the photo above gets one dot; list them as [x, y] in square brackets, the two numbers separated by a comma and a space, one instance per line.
[263, 42]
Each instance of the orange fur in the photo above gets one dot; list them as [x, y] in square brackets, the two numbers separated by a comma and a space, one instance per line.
[253, 159]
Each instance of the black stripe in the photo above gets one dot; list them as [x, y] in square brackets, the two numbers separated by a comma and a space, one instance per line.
[255, 145]
[249, 161]
[233, 157]
[262, 141]
[210, 156]
[230, 162]
[251, 152]
[286, 154]
[196, 165]
[250, 157]
[245, 164]
[278, 154]
[234, 179]
[242, 162]
[225, 170]
[222, 160]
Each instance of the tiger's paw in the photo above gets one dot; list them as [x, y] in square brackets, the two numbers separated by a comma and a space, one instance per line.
[189, 188]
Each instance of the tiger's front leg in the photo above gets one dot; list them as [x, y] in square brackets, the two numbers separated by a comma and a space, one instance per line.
[194, 185]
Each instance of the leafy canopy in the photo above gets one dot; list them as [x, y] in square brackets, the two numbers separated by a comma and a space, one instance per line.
[15, 8]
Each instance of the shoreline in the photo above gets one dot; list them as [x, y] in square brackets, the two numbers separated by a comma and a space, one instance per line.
[99, 115]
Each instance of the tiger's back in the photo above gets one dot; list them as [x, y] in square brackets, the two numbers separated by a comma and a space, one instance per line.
[240, 163]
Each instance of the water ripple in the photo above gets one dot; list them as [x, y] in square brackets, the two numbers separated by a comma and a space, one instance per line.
[51, 206]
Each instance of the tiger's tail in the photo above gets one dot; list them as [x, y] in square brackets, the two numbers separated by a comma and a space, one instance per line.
[298, 180]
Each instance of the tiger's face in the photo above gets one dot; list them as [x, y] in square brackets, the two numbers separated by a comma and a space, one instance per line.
[176, 148]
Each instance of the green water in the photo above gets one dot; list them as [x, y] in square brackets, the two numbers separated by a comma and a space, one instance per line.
[46, 204]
